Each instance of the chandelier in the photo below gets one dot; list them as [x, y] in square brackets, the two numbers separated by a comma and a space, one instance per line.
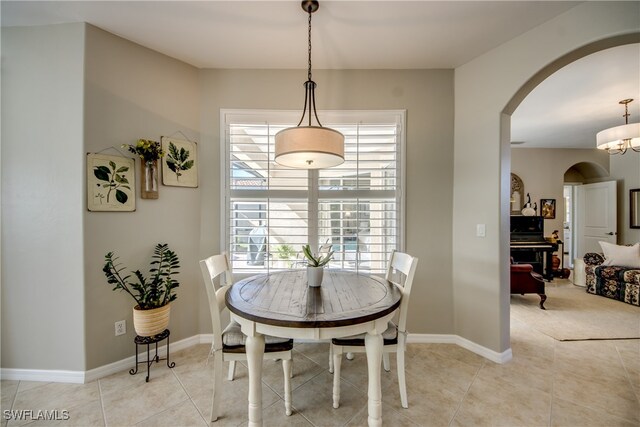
[617, 140]
[309, 147]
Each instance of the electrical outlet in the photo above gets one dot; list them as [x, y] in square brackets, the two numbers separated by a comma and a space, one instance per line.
[121, 327]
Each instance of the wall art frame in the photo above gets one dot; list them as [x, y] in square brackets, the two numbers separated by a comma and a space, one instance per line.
[180, 162]
[548, 208]
[111, 183]
[634, 208]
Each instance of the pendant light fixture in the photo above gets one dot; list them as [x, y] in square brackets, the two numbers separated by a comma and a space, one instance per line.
[309, 147]
[617, 140]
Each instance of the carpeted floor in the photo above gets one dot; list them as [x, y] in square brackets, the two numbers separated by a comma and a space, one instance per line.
[572, 314]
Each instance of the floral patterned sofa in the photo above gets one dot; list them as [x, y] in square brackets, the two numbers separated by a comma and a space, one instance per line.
[621, 283]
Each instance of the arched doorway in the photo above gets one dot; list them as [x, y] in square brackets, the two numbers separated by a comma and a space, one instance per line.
[580, 171]
[577, 174]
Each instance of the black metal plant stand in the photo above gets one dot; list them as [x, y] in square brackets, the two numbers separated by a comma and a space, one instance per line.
[138, 340]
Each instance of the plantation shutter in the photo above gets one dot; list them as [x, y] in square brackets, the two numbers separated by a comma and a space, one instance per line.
[271, 211]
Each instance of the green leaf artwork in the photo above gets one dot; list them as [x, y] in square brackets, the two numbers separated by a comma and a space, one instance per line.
[112, 181]
[178, 160]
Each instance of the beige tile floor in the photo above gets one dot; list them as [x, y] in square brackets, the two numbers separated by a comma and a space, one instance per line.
[548, 383]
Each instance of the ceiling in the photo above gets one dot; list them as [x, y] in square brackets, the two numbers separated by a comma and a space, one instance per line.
[566, 110]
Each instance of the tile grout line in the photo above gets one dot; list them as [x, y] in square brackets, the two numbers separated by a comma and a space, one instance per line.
[189, 395]
[579, 404]
[554, 371]
[13, 401]
[15, 396]
[161, 412]
[484, 363]
[104, 415]
[626, 373]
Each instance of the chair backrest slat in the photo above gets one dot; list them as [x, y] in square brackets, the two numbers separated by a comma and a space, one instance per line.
[404, 264]
[212, 268]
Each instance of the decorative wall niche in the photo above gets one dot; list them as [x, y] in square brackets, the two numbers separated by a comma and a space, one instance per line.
[517, 194]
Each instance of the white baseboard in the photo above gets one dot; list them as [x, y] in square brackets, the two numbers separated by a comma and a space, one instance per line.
[125, 364]
[80, 377]
[55, 376]
[487, 353]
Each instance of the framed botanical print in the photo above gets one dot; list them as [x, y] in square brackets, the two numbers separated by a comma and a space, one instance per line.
[110, 183]
[180, 162]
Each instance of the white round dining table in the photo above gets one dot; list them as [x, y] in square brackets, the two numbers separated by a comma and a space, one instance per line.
[281, 304]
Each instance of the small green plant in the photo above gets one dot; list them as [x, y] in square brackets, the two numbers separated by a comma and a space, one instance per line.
[148, 294]
[285, 251]
[177, 160]
[113, 180]
[316, 261]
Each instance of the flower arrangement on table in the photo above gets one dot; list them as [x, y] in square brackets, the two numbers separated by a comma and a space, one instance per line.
[316, 260]
[315, 265]
[148, 150]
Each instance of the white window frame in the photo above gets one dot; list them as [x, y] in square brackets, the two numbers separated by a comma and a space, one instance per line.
[327, 117]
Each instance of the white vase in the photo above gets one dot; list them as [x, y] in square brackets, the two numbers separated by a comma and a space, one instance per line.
[314, 276]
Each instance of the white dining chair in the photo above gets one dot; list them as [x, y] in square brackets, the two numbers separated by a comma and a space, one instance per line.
[229, 344]
[400, 272]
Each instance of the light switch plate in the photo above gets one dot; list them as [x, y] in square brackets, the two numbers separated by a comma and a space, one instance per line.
[481, 230]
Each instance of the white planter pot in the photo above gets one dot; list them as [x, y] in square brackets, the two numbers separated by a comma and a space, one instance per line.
[314, 276]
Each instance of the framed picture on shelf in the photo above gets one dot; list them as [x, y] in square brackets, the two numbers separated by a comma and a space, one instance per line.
[180, 162]
[111, 183]
[548, 208]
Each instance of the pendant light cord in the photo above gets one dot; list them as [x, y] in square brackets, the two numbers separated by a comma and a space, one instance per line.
[626, 105]
[309, 71]
[309, 85]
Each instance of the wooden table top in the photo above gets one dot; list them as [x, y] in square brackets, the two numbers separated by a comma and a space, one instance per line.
[284, 299]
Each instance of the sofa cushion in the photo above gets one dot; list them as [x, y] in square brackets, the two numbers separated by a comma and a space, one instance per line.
[631, 276]
[593, 259]
[618, 283]
[621, 256]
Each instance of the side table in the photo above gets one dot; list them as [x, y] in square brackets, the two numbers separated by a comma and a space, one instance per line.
[138, 340]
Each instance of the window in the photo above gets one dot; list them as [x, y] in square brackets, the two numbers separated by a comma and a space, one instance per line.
[354, 209]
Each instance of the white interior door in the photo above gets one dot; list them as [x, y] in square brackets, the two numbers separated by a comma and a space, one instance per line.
[595, 216]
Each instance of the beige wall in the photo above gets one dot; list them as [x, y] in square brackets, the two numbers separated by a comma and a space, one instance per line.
[42, 196]
[427, 96]
[542, 172]
[626, 170]
[483, 89]
[132, 92]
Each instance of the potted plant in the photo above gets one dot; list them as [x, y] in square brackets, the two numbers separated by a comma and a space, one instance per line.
[315, 265]
[149, 152]
[285, 253]
[152, 296]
